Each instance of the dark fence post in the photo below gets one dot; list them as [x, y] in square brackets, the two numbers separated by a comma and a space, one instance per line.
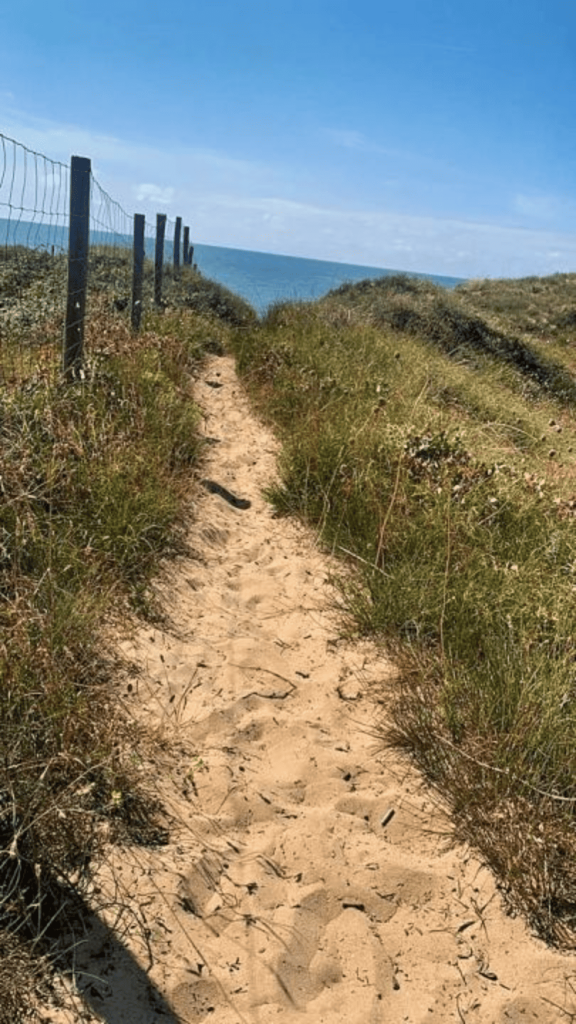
[160, 231]
[177, 231]
[186, 245]
[138, 271]
[78, 241]
[190, 255]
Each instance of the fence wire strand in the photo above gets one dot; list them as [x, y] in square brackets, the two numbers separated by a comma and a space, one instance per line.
[110, 259]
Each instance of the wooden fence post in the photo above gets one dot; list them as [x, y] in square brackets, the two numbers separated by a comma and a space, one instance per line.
[78, 241]
[160, 231]
[177, 231]
[138, 271]
[186, 245]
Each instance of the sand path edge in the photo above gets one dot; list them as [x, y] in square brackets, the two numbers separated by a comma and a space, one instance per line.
[308, 877]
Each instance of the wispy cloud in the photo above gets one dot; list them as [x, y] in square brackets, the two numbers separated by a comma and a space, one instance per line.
[397, 158]
[540, 207]
[347, 139]
[155, 194]
[129, 161]
[380, 238]
[351, 139]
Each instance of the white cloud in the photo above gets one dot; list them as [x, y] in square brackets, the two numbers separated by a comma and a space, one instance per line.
[156, 194]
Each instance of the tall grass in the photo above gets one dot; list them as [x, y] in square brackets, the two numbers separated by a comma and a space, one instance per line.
[442, 470]
[95, 484]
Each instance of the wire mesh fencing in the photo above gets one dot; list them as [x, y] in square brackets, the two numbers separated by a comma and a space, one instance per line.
[111, 245]
[68, 252]
[34, 193]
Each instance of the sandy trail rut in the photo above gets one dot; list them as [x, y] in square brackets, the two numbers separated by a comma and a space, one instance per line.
[288, 891]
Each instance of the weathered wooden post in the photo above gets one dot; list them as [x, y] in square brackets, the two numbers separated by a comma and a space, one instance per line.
[160, 231]
[186, 245]
[78, 241]
[177, 231]
[138, 271]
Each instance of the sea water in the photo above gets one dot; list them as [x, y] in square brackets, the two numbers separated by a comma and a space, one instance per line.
[261, 278]
[265, 278]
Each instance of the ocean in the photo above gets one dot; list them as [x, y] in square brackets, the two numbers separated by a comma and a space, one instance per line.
[259, 277]
[263, 278]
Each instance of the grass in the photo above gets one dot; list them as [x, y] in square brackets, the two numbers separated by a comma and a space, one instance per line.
[428, 436]
[33, 296]
[95, 484]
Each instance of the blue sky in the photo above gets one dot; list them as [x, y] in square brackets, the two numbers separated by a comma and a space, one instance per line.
[427, 136]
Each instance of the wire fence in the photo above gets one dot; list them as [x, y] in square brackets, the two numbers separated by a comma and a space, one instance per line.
[34, 193]
[59, 230]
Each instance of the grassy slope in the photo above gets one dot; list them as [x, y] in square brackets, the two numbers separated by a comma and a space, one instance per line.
[95, 484]
[429, 436]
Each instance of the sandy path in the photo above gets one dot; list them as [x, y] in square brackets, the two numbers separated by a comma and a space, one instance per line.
[287, 891]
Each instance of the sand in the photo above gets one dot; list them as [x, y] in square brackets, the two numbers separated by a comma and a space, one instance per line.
[310, 877]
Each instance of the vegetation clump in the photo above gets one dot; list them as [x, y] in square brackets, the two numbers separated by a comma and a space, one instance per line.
[453, 322]
[429, 438]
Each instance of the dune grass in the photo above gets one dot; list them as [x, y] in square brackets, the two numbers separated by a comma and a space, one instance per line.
[95, 486]
[429, 436]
